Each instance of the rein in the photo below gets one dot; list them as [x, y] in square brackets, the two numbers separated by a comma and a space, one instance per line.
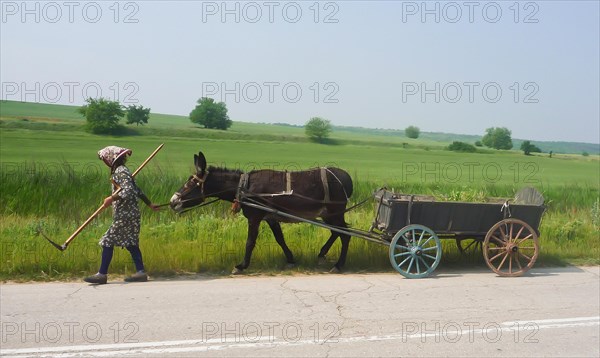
[201, 204]
[198, 206]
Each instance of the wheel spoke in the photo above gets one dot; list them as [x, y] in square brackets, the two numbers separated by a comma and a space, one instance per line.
[402, 247]
[496, 248]
[418, 267]
[425, 263]
[421, 237]
[525, 256]
[470, 244]
[503, 260]
[503, 233]
[527, 248]
[406, 240]
[402, 263]
[518, 262]
[510, 257]
[402, 254]
[510, 233]
[498, 255]
[410, 264]
[429, 256]
[519, 234]
[497, 240]
[430, 248]
[426, 241]
[525, 238]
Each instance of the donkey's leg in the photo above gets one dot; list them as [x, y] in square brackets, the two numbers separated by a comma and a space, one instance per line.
[253, 226]
[342, 260]
[327, 246]
[337, 220]
[276, 228]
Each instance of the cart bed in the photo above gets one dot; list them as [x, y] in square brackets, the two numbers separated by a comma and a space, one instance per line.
[448, 218]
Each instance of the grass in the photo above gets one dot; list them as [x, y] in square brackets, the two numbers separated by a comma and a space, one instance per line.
[211, 239]
[50, 177]
[381, 164]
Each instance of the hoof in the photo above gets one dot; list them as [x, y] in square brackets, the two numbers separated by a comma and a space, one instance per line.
[334, 269]
[237, 271]
[290, 266]
[321, 260]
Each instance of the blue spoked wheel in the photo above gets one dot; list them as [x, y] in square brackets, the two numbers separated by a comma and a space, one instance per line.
[415, 251]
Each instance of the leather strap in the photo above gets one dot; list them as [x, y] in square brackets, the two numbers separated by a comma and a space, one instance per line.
[326, 197]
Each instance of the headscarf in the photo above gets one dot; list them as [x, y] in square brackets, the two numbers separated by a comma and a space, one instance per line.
[111, 153]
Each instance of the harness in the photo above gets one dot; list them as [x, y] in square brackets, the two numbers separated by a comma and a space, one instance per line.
[326, 197]
[244, 183]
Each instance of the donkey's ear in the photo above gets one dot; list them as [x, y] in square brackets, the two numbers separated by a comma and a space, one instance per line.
[200, 163]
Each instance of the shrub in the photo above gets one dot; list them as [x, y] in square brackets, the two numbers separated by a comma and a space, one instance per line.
[462, 147]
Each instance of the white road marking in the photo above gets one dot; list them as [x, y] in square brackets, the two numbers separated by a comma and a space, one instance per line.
[191, 346]
[552, 321]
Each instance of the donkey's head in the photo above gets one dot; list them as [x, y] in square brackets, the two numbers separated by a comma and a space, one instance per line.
[192, 192]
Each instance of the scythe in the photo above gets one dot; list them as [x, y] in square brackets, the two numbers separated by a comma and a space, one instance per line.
[98, 211]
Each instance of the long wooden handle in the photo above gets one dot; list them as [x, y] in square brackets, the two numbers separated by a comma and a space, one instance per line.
[99, 210]
[147, 160]
[73, 235]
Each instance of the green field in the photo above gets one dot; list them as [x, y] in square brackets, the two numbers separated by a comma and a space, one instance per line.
[51, 177]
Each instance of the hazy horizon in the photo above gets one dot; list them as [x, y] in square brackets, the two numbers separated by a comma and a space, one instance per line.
[449, 67]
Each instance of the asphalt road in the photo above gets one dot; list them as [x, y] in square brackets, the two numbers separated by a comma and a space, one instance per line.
[549, 312]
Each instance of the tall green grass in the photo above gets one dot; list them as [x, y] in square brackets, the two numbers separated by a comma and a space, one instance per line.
[212, 239]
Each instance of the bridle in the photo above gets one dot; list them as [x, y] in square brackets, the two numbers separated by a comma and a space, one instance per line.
[198, 182]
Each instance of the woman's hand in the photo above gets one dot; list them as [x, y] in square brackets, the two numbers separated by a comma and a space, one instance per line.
[154, 207]
[107, 202]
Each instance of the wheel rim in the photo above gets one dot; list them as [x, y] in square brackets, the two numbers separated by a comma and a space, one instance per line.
[511, 247]
[415, 251]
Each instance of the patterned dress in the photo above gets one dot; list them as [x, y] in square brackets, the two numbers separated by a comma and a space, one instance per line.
[125, 229]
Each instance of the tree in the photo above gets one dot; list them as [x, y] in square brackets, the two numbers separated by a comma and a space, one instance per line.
[317, 128]
[137, 114]
[529, 148]
[497, 138]
[211, 114]
[412, 132]
[102, 115]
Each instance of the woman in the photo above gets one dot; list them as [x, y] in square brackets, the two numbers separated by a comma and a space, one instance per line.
[125, 229]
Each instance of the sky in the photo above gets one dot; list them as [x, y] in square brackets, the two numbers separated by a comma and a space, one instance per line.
[455, 67]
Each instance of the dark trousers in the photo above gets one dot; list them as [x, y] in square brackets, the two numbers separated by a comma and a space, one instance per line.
[107, 254]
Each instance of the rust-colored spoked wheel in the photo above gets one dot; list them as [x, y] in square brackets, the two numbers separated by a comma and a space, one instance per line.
[511, 247]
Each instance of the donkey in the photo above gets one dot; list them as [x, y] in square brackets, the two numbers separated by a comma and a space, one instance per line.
[310, 194]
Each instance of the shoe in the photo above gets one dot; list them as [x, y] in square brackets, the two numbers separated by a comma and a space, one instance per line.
[139, 276]
[99, 279]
